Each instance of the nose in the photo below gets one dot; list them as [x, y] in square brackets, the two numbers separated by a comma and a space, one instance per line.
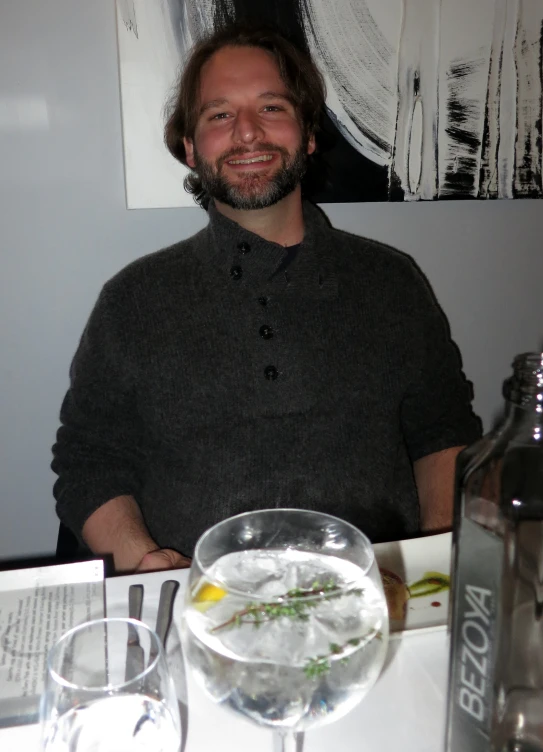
[247, 127]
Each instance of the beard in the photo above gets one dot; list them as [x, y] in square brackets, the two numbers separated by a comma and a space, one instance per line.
[253, 190]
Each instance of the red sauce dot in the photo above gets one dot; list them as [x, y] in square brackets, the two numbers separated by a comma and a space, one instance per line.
[435, 604]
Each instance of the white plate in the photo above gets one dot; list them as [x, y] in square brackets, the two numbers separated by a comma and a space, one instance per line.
[411, 560]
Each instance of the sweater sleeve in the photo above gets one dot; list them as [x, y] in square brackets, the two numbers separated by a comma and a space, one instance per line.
[436, 411]
[97, 455]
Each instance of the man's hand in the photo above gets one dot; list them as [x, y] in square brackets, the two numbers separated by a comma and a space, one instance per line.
[162, 558]
[118, 528]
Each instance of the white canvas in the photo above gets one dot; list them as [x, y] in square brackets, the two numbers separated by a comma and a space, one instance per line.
[149, 61]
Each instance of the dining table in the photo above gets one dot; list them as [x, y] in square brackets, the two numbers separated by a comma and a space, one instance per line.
[405, 710]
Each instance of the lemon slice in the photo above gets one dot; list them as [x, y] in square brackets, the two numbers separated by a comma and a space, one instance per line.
[207, 596]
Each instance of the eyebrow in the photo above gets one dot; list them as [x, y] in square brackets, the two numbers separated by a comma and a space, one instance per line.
[276, 95]
[265, 95]
[211, 104]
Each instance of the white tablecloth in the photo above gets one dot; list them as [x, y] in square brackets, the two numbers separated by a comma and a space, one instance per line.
[404, 711]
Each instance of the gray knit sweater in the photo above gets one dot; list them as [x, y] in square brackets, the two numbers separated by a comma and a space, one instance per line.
[205, 385]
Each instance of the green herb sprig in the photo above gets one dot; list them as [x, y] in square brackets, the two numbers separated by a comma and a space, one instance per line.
[294, 604]
[317, 667]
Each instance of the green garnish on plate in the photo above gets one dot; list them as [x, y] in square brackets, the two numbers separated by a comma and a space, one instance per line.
[430, 584]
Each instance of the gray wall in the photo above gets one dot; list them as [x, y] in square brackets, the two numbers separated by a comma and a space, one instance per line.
[65, 230]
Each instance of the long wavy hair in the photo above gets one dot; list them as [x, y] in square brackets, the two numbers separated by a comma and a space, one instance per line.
[301, 76]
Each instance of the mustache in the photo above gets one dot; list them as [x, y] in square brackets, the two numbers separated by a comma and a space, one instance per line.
[240, 151]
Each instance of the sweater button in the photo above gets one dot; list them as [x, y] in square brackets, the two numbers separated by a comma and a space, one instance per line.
[271, 373]
[244, 247]
[236, 272]
[266, 332]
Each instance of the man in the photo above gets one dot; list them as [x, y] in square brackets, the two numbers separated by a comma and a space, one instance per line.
[269, 360]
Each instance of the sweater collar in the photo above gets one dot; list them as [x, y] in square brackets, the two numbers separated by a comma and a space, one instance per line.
[250, 260]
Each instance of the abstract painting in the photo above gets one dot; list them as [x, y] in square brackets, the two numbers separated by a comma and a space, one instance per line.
[426, 99]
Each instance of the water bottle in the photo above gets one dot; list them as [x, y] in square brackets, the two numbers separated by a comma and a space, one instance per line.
[496, 663]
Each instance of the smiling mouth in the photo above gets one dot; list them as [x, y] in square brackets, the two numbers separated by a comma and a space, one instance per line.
[252, 160]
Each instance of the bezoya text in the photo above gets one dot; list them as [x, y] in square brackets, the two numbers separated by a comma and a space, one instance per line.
[475, 654]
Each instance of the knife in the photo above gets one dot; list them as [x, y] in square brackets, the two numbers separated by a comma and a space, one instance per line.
[135, 660]
[165, 610]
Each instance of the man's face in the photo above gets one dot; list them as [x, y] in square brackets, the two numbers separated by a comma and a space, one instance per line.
[248, 149]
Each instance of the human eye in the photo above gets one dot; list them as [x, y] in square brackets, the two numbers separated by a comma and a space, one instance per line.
[219, 116]
[273, 108]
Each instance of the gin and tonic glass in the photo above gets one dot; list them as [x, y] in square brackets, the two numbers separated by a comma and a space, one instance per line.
[285, 620]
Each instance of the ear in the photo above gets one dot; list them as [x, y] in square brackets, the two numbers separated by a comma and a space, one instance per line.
[189, 151]
[311, 144]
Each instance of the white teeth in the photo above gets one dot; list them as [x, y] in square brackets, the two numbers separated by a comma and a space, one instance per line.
[265, 158]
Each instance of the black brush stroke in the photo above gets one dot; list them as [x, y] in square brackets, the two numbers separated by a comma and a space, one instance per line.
[539, 122]
[527, 182]
[284, 16]
[461, 174]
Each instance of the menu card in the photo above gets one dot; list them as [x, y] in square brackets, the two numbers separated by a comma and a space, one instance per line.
[36, 607]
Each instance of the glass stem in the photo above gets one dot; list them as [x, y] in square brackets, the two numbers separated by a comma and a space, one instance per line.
[287, 741]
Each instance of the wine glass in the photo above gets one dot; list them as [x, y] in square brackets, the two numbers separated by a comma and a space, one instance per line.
[108, 689]
[285, 620]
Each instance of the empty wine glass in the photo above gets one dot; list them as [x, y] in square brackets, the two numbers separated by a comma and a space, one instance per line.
[108, 689]
[285, 620]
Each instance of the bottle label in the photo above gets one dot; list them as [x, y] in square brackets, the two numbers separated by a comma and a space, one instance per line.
[474, 637]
